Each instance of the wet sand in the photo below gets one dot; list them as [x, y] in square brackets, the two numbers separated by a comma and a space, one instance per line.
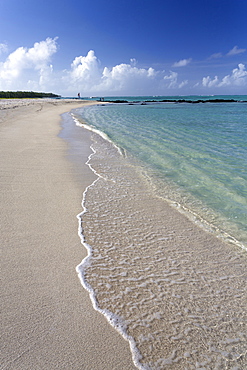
[176, 290]
[48, 321]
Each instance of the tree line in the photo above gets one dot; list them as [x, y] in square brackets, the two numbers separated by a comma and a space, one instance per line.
[26, 94]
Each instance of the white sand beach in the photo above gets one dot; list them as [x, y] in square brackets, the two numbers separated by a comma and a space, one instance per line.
[48, 321]
[180, 289]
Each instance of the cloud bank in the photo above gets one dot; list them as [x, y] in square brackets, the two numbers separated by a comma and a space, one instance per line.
[31, 69]
[87, 72]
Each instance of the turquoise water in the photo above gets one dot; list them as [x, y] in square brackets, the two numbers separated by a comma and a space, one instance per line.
[195, 154]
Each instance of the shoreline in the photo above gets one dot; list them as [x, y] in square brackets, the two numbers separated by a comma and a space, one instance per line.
[48, 319]
[156, 275]
[195, 215]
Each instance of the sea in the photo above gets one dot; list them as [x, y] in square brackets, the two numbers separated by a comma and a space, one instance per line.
[165, 227]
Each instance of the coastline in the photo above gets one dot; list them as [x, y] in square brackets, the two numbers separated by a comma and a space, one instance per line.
[47, 317]
[173, 289]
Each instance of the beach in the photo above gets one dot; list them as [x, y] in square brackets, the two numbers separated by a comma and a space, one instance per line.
[173, 291]
[47, 319]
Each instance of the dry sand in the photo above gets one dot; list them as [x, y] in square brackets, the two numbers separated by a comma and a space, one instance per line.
[48, 321]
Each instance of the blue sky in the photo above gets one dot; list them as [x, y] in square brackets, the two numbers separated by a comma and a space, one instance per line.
[124, 47]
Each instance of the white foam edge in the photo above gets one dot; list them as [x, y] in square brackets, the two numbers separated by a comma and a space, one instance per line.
[100, 133]
[114, 320]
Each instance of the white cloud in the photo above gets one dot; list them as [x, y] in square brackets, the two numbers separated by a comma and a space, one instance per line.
[3, 48]
[172, 77]
[88, 76]
[45, 74]
[31, 69]
[85, 69]
[235, 50]
[182, 63]
[207, 81]
[238, 77]
[124, 76]
[23, 62]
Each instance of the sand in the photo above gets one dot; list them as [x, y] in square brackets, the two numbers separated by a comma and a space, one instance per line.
[48, 321]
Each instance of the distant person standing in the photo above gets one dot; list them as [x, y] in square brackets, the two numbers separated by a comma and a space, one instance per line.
[79, 96]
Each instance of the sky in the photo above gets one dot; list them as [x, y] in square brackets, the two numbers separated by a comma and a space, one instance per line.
[124, 47]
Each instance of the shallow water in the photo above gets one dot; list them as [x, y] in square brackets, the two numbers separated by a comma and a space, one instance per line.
[195, 155]
[174, 291]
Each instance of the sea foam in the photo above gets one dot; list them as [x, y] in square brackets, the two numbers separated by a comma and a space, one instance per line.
[115, 320]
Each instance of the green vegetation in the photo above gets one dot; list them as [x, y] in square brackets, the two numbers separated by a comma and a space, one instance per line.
[26, 94]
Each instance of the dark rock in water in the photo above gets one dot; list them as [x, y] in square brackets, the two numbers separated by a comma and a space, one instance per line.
[177, 101]
[118, 101]
[195, 101]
